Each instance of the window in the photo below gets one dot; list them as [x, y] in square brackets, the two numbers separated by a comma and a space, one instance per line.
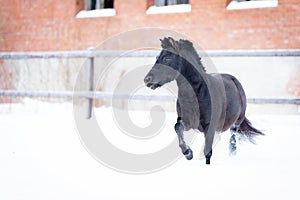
[169, 6]
[170, 2]
[97, 8]
[98, 4]
[249, 4]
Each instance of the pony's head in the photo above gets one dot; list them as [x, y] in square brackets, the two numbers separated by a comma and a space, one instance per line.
[171, 62]
[167, 65]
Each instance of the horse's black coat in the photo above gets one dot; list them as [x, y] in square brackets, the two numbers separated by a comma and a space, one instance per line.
[208, 102]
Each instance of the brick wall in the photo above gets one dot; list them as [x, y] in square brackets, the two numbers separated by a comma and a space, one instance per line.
[35, 25]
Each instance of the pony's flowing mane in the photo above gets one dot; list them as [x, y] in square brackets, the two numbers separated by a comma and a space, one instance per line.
[185, 49]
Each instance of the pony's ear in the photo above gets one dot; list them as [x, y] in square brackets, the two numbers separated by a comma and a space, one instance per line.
[165, 43]
[172, 41]
[170, 44]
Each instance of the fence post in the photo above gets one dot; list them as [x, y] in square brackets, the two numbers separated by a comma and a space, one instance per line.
[90, 83]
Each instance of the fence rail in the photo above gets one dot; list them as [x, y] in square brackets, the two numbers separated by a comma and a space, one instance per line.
[146, 53]
[91, 54]
[110, 95]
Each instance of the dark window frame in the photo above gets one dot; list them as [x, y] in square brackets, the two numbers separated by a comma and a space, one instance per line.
[98, 4]
[170, 2]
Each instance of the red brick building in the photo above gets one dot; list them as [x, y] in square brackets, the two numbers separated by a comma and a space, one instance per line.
[35, 25]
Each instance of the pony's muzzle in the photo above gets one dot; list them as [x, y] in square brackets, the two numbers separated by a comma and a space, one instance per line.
[148, 79]
[149, 82]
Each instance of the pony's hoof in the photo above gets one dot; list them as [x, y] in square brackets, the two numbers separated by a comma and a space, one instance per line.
[207, 161]
[232, 152]
[188, 154]
[207, 157]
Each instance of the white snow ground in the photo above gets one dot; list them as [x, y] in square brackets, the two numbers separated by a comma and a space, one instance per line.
[41, 157]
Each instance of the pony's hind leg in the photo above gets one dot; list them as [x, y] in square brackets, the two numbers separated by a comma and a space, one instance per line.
[185, 149]
[232, 141]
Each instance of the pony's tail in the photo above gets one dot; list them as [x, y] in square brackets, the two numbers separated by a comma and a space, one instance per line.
[247, 130]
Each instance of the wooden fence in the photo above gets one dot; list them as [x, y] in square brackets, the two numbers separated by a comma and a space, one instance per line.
[91, 54]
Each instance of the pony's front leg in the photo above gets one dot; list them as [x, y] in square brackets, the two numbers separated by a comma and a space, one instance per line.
[209, 138]
[185, 149]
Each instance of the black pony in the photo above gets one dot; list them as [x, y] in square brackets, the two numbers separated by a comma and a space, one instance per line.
[208, 102]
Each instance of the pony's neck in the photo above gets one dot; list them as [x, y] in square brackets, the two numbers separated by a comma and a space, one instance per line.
[190, 77]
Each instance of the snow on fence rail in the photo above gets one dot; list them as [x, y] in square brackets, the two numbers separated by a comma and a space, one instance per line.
[91, 54]
[110, 95]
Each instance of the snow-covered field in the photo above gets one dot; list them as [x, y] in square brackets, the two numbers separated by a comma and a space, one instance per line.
[41, 157]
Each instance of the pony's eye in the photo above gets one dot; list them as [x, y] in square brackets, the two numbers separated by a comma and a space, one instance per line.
[166, 59]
